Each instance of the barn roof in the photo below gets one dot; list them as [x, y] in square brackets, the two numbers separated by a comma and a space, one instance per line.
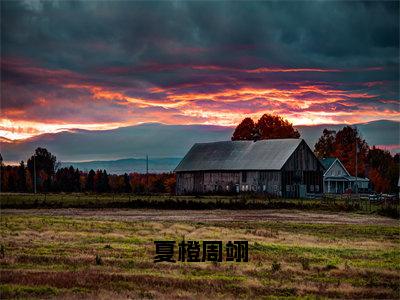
[239, 155]
[327, 162]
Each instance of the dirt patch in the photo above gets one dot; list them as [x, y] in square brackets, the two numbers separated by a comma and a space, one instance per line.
[295, 216]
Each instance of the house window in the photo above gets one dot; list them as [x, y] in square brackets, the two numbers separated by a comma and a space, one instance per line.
[316, 188]
[287, 188]
[244, 176]
[312, 188]
[227, 187]
[264, 188]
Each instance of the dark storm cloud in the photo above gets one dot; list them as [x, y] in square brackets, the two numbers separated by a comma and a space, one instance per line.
[75, 35]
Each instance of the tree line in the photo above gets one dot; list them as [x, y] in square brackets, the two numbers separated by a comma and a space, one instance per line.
[51, 178]
[378, 165]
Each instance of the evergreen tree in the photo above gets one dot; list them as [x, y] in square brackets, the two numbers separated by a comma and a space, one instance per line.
[90, 187]
[21, 178]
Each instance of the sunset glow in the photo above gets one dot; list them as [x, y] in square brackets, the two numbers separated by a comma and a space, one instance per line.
[119, 76]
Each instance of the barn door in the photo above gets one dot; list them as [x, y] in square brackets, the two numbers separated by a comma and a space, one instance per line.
[302, 190]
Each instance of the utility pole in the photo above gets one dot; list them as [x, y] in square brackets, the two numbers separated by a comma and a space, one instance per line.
[34, 173]
[356, 188]
[147, 172]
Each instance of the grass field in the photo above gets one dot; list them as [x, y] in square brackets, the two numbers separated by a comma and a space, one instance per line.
[243, 201]
[109, 253]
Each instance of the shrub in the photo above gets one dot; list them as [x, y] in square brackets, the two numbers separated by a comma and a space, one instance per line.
[275, 267]
[305, 263]
[98, 260]
[330, 266]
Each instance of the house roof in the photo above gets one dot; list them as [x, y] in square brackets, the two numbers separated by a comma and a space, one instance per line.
[239, 155]
[345, 178]
[328, 162]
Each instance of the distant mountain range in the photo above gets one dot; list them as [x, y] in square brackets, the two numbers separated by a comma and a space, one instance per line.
[127, 165]
[164, 144]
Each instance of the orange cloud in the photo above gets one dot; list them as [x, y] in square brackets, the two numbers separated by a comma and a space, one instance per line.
[218, 100]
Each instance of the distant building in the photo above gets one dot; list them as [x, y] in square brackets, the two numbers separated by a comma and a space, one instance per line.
[280, 167]
[337, 180]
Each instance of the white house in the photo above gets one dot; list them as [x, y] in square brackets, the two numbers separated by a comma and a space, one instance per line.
[337, 180]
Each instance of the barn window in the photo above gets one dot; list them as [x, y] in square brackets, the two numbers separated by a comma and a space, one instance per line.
[244, 176]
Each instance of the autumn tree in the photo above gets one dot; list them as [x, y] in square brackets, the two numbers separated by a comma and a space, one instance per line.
[347, 140]
[383, 171]
[267, 127]
[127, 184]
[45, 166]
[325, 145]
[275, 127]
[244, 131]
[170, 184]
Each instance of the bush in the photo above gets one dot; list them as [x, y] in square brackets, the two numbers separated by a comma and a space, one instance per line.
[275, 267]
[98, 260]
[305, 263]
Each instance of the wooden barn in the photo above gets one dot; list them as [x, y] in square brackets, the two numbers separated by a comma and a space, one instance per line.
[279, 167]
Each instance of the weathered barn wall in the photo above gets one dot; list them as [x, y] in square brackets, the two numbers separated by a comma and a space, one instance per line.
[302, 173]
[218, 181]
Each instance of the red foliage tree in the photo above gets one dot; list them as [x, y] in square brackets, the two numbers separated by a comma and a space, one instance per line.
[275, 127]
[381, 184]
[244, 131]
[383, 170]
[345, 149]
[267, 127]
[325, 145]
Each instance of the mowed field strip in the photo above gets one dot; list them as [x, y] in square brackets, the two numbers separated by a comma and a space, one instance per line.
[103, 253]
[278, 215]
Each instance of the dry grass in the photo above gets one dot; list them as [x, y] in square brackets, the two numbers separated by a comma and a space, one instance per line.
[53, 256]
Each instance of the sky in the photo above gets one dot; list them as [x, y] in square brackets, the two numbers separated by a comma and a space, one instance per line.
[102, 65]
